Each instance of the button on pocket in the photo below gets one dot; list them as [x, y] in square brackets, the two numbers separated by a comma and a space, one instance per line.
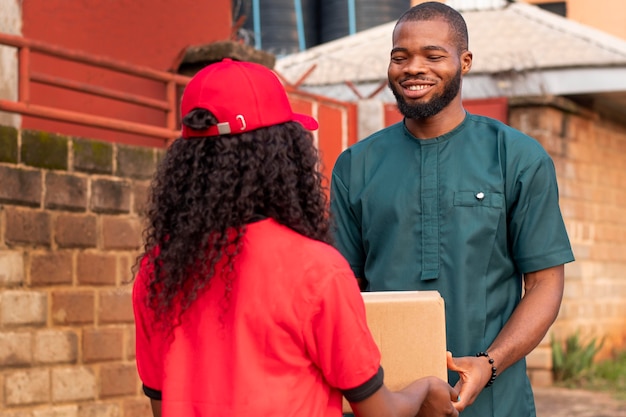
[478, 198]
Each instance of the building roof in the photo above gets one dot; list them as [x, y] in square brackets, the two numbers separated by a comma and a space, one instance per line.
[518, 48]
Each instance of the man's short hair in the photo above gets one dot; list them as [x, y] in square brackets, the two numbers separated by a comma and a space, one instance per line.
[433, 10]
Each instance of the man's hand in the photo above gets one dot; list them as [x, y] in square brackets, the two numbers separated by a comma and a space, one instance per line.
[474, 373]
[528, 324]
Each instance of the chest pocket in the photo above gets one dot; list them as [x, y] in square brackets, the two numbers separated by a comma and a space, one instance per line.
[478, 199]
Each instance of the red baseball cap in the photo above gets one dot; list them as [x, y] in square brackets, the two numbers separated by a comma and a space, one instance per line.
[243, 96]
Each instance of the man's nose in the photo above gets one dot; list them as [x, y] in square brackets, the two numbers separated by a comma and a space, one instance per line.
[415, 65]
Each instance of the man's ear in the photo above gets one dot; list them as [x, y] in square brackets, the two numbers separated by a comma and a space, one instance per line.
[466, 62]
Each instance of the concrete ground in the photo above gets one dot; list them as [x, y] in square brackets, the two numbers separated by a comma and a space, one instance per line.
[563, 402]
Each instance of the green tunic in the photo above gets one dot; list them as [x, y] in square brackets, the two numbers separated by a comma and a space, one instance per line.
[466, 214]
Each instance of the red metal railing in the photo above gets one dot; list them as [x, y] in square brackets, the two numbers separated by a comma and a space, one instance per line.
[170, 81]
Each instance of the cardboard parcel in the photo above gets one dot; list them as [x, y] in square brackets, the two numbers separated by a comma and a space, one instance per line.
[409, 329]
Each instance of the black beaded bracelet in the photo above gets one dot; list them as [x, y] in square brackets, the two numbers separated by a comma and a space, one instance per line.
[493, 367]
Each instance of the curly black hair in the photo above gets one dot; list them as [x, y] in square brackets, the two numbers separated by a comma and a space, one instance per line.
[207, 189]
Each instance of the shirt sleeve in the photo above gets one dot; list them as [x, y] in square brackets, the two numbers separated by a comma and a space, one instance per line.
[367, 389]
[152, 393]
[346, 220]
[338, 338]
[147, 342]
[538, 235]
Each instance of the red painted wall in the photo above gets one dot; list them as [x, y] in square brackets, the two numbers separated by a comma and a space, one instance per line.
[497, 108]
[337, 125]
[143, 32]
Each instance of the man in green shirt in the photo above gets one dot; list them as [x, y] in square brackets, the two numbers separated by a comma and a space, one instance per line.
[461, 204]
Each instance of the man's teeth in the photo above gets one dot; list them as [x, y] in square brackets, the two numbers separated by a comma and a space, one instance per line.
[417, 87]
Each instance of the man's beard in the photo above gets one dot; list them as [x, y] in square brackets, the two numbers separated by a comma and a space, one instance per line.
[431, 107]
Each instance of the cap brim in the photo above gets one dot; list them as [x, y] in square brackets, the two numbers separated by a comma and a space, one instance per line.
[307, 121]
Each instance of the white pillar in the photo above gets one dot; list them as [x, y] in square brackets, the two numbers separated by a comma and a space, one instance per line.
[11, 23]
[371, 117]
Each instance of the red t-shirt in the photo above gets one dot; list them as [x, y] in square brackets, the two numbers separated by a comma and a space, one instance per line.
[292, 339]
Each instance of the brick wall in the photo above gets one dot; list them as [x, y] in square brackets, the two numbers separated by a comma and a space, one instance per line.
[70, 229]
[589, 152]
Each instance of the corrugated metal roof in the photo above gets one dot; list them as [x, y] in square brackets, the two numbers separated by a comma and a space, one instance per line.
[517, 37]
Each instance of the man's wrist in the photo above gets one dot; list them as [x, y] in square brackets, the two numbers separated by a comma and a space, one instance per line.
[494, 370]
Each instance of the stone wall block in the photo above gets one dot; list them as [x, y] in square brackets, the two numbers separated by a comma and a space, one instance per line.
[103, 344]
[104, 410]
[24, 226]
[27, 387]
[115, 306]
[121, 233]
[125, 267]
[65, 192]
[51, 268]
[93, 156]
[11, 268]
[541, 377]
[73, 307]
[553, 144]
[141, 191]
[539, 119]
[137, 407]
[18, 413]
[76, 231]
[109, 196]
[20, 186]
[2, 379]
[118, 379]
[44, 150]
[540, 358]
[135, 162]
[56, 346]
[96, 269]
[15, 349]
[73, 384]
[57, 411]
[130, 343]
[8, 144]
[23, 308]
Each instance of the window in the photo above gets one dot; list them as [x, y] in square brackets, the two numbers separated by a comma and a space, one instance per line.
[557, 7]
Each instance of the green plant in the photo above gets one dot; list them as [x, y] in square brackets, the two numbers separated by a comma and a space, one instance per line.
[574, 366]
[573, 362]
[610, 375]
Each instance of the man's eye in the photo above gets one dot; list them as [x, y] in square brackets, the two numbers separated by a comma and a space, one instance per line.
[435, 57]
[397, 58]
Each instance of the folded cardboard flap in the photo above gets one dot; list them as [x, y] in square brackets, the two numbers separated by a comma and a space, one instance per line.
[409, 329]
